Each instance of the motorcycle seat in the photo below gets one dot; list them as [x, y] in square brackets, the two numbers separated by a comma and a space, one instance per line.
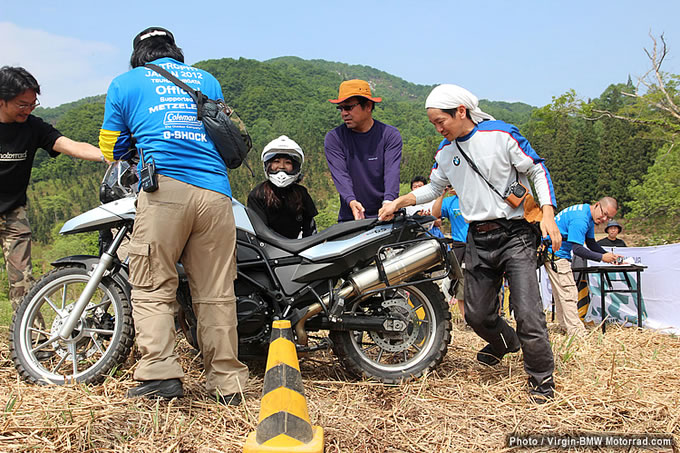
[297, 245]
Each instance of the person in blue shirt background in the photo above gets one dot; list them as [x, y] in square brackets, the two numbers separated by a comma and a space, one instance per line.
[577, 227]
[448, 208]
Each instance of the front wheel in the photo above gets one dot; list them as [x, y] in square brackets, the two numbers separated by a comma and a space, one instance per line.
[101, 340]
[391, 357]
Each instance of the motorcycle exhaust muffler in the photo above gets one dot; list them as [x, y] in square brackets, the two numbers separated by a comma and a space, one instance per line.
[402, 266]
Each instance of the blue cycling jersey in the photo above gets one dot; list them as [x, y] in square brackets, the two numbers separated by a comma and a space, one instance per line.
[451, 210]
[162, 119]
[576, 224]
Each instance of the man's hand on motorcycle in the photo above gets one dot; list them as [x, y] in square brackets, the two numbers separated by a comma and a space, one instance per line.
[387, 211]
[357, 210]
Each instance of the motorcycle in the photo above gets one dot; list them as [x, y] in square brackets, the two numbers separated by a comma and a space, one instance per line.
[368, 288]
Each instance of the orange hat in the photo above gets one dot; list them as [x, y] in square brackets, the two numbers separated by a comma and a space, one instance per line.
[355, 87]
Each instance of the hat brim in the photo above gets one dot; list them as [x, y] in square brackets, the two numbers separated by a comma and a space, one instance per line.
[337, 101]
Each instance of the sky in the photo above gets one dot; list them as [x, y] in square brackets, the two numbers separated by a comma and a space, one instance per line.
[526, 51]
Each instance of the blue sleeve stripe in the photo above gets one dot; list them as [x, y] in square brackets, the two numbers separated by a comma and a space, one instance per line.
[526, 148]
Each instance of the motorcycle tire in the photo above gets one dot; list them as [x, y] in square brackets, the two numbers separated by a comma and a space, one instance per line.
[393, 357]
[101, 341]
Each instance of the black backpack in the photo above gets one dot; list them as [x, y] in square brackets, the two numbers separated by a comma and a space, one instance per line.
[222, 124]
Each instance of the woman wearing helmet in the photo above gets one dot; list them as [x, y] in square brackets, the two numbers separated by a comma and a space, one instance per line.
[280, 201]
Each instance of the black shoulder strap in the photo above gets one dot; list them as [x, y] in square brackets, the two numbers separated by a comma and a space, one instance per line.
[474, 167]
[195, 94]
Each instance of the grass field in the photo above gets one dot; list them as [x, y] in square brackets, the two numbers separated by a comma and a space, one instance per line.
[625, 382]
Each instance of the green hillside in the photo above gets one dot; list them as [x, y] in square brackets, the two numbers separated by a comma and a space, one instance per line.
[286, 95]
[289, 95]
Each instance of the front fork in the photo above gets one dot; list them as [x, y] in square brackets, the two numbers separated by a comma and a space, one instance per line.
[104, 265]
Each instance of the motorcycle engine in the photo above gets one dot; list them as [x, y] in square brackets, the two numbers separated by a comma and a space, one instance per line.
[254, 324]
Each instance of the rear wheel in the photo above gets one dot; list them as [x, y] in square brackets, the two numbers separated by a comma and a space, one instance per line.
[101, 340]
[392, 357]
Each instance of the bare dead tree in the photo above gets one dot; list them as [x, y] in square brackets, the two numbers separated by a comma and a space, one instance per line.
[651, 91]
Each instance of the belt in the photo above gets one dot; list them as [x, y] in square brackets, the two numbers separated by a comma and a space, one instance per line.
[485, 227]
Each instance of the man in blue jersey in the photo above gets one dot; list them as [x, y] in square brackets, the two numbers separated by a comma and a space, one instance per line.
[482, 158]
[363, 154]
[577, 227]
[187, 218]
[448, 208]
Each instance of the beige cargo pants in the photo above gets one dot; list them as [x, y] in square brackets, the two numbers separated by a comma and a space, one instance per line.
[565, 295]
[181, 222]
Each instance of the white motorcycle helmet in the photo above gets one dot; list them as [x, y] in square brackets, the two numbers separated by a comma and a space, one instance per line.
[283, 146]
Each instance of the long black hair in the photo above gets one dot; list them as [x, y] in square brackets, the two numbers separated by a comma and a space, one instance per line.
[271, 195]
[154, 48]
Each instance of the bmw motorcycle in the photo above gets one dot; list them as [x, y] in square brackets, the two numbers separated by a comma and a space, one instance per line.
[365, 289]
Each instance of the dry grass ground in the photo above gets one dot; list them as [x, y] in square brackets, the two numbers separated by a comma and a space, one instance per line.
[625, 381]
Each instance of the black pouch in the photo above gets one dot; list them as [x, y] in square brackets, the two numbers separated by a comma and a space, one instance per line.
[221, 123]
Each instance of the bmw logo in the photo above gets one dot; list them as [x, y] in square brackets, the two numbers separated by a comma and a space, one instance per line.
[456, 161]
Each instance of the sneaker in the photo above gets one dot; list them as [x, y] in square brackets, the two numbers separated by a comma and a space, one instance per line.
[488, 355]
[232, 399]
[158, 388]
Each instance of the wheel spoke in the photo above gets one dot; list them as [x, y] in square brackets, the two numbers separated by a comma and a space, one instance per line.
[39, 331]
[106, 301]
[99, 348]
[51, 304]
[46, 343]
[63, 295]
[56, 367]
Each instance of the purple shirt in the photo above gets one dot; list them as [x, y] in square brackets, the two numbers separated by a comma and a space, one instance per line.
[364, 166]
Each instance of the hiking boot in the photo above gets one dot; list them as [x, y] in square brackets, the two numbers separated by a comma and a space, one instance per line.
[158, 388]
[232, 399]
[543, 393]
[488, 355]
[541, 398]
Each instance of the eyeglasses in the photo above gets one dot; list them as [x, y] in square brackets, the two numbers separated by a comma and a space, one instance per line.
[604, 214]
[347, 107]
[28, 106]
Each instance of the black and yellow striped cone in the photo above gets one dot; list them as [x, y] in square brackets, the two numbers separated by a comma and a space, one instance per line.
[284, 423]
[583, 297]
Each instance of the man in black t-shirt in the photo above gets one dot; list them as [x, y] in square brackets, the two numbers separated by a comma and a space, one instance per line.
[21, 134]
[612, 229]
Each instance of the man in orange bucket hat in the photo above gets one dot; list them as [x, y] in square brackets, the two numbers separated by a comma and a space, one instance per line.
[363, 154]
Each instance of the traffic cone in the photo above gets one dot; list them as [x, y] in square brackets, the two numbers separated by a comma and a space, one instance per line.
[284, 424]
[583, 297]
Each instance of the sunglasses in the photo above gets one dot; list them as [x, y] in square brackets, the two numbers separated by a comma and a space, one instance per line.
[347, 107]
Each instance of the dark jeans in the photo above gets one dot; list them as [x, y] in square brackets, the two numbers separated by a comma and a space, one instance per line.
[510, 250]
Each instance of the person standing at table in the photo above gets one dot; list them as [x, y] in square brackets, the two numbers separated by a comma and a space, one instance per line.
[577, 227]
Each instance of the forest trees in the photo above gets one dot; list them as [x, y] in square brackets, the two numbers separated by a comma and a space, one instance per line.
[620, 144]
[651, 110]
